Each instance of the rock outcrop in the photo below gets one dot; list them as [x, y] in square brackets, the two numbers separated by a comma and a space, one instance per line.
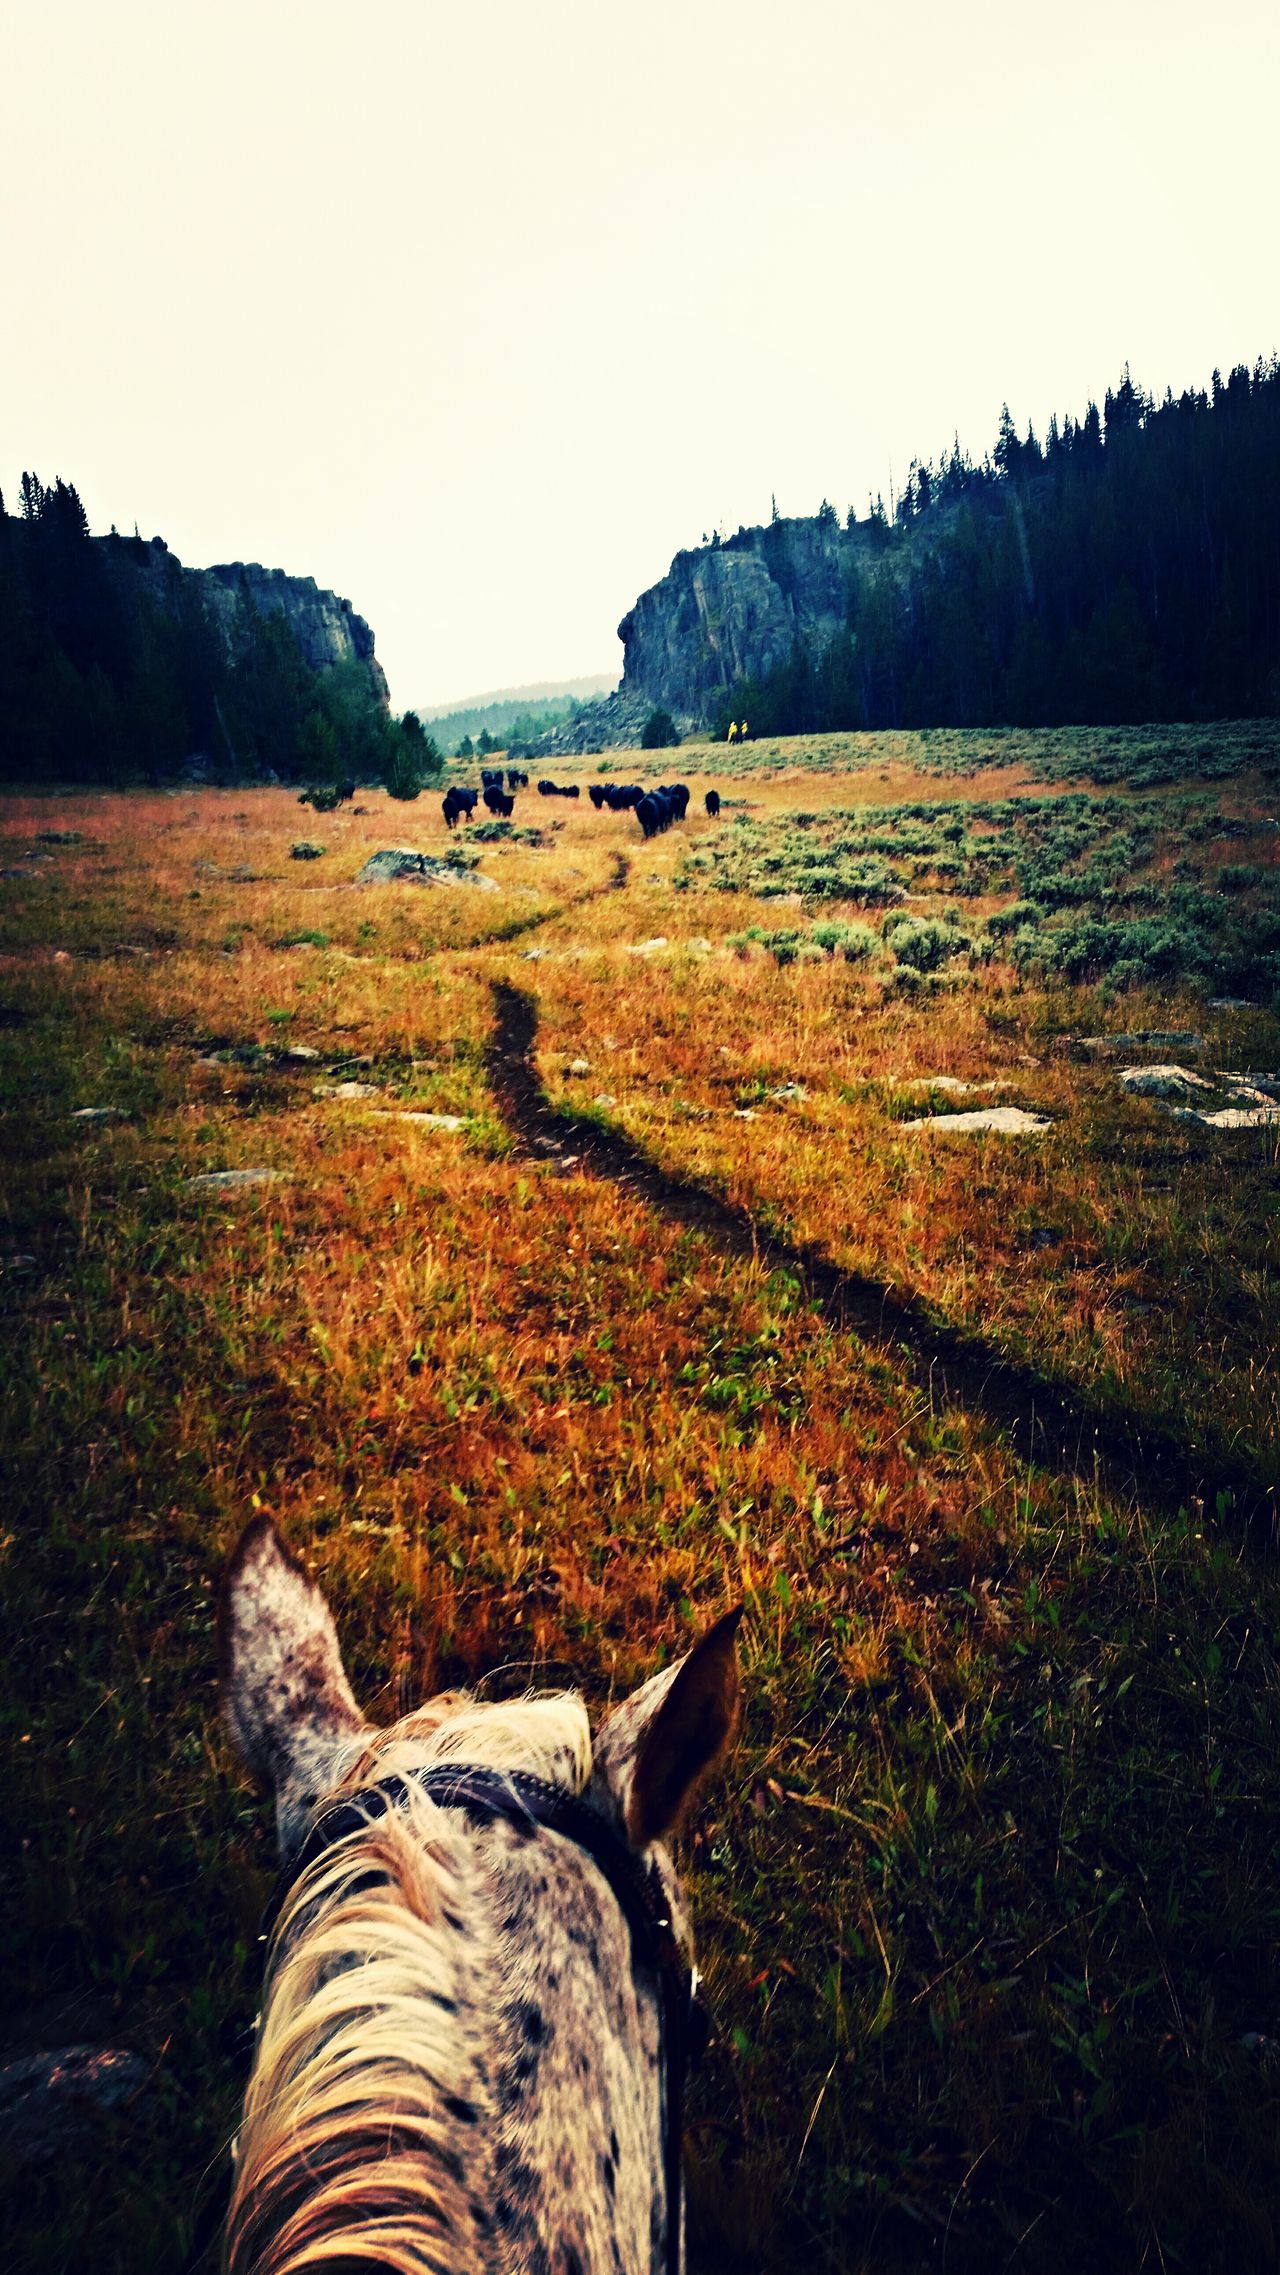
[736, 610]
[727, 612]
[612, 722]
[327, 629]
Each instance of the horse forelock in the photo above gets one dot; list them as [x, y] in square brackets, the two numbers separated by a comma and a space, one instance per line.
[419, 2014]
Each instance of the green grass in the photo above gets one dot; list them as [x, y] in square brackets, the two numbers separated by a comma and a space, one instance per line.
[989, 1900]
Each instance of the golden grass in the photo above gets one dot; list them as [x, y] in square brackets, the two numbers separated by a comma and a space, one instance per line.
[989, 1901]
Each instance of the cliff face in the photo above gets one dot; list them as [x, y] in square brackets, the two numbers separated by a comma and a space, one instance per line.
[327, 629]
[735, 611]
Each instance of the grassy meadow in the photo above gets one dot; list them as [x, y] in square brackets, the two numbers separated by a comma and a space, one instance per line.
[989, 1899]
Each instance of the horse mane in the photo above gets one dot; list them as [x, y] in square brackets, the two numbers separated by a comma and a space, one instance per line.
[366, 2060]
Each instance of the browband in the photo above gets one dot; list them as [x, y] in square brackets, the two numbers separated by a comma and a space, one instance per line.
[526, 1802]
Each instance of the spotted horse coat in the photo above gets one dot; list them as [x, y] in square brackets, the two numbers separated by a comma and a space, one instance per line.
[459, 2061]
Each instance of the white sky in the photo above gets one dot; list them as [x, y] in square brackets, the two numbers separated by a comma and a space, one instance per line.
[478, 315]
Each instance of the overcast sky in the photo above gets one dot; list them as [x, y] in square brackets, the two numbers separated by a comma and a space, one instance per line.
[478, 314]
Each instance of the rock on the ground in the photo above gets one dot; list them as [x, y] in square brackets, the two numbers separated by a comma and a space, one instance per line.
[953, 1084]
[48, 2099]
[1012, 1121]
[304, 850]
[232, 1180]
[1231, 1117]
[404, 865]
[426, 1120]
[1144, 1038]
[1164, 1081]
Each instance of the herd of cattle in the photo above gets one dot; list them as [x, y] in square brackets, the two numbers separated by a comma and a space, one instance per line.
[654, 809]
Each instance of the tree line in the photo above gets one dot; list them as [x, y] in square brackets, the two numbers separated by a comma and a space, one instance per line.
[113, 670]
[1123, 569]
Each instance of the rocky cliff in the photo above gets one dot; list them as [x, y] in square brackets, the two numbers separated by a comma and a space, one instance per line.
[327, 629]
[735, 610]
[728, 612]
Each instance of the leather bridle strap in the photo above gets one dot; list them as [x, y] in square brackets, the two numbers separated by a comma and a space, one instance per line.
[528, 1803]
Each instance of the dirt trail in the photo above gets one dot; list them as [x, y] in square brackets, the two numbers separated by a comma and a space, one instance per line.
[1049, 1422]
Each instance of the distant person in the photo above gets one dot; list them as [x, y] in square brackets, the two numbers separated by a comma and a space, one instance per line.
[732, 735]
[742, 731]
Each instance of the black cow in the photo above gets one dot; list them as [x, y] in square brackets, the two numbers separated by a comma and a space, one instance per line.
[456, 803]
[712, 801]
[654, 812]
[558, 790]
[623, 797]
[596, 791]
[517, 779]
[659, 808]
[498, 801]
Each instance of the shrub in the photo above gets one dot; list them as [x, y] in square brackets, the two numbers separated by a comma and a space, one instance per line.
[923, 943]
[1013, 918]
[852, 941]
[660, 732]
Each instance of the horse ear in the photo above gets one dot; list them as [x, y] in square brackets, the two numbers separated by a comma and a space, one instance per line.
[654, 1752]
[285, 1696]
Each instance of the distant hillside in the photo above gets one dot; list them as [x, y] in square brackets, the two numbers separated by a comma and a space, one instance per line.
[538, 692]
[1124, 569]
[510, 713]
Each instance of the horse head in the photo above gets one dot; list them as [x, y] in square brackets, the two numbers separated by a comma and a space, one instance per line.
[479, 1999]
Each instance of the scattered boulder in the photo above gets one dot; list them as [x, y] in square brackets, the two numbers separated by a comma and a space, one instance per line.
[1232, 1117]
[305, 851]
[404, 865]
[49, 2099]
[1251, 1100]
[953, 1084]
[426, 1120]
[1010, 1121]
[233, 1180]
[98, 1114]
[1164, 1082]
[1145, 1038]
[648, 947]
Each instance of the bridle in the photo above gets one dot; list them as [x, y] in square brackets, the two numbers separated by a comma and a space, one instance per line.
[530, 1803]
